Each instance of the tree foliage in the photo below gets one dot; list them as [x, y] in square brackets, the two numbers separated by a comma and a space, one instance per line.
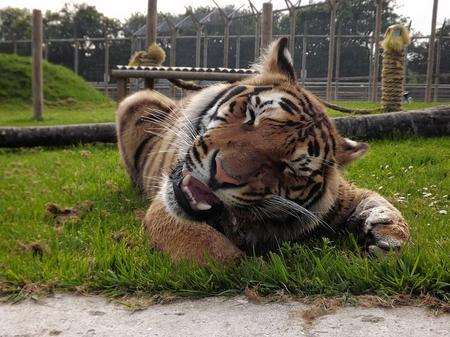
[355, 17]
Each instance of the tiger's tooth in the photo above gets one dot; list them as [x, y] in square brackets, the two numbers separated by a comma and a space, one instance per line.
[203, 206]
[186, 180]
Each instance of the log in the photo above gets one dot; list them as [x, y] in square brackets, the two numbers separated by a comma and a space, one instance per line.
[57, 135]
[433, 122]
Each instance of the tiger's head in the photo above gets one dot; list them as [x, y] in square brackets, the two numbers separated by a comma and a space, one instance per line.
[262, 147]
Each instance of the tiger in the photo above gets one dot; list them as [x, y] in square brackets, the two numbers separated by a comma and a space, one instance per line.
[239, 168]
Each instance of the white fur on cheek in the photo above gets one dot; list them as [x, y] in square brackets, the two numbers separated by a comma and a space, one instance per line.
[288, 56]
[195, 106]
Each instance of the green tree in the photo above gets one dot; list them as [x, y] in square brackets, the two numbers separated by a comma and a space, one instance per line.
[15, 23]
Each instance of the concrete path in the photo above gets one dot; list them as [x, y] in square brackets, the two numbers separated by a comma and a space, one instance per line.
[67, 315]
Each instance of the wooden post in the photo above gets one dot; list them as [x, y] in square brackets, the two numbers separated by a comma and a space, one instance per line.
[332, 44]
[152, 21]
[266, 25]
[238, 52]
[431, 53]
[338, 63]
[376, 56]
[122, 84]
[37, 73]
[106, 73]
[303, 72]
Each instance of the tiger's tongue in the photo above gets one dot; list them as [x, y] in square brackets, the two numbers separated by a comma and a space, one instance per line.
[200, 196]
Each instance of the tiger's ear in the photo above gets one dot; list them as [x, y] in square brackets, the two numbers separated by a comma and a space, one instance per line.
[278, 60]
[348, 150]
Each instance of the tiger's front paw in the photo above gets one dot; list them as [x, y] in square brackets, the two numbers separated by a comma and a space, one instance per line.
[385, 230]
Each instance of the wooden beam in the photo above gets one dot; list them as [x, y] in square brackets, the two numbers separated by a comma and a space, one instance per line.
[37, 71]
[266, 25]
[431, 54]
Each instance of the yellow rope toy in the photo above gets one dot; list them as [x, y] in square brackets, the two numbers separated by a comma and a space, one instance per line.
[396, 39]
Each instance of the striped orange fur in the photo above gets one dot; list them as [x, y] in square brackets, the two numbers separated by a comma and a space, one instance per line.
[244, 166]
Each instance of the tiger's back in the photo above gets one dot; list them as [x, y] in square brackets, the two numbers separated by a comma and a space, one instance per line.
[145, 143]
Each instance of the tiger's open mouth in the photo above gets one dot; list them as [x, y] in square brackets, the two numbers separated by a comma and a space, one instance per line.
[195, 197]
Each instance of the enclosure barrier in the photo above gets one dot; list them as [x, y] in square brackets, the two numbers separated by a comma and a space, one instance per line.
[201, 40]
[432, 122]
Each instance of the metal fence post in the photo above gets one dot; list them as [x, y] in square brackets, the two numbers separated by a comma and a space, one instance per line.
[338, 63]
[106, 74]
[303, 72]
[431, 53]
[376, 55]
[238, 52]
[331, 48]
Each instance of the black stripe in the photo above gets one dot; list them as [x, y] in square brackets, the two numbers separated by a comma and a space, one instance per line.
[138, 152]
[233, 92]
[259, 89]
[203, 144]
[189, 160]
[218, 118]
[290, 104]
[266, 103]
[197, 155]
[208, 107]
[286, 107]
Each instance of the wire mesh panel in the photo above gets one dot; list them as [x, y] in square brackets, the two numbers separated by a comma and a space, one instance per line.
[62, 53]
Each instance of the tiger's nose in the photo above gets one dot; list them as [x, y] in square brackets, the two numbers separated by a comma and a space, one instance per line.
[222, 176]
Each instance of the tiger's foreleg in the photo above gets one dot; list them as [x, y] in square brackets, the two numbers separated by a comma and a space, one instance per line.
[379, 223]
[188, 240]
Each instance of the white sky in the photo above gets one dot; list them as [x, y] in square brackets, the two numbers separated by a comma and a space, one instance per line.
[418, 10]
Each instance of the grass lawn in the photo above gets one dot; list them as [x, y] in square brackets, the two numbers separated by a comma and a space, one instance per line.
[13, 114]
[104, 250]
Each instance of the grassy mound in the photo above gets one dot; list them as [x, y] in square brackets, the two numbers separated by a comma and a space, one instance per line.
[60, 83]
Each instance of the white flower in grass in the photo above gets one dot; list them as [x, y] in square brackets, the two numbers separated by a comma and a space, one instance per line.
[442, 211]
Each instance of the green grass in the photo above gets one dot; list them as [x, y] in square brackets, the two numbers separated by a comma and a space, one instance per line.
[13, 114]
[105, 250]
[68, 97]
[60, 83]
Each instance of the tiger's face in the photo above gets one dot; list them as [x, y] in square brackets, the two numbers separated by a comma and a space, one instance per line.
[264, 144]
